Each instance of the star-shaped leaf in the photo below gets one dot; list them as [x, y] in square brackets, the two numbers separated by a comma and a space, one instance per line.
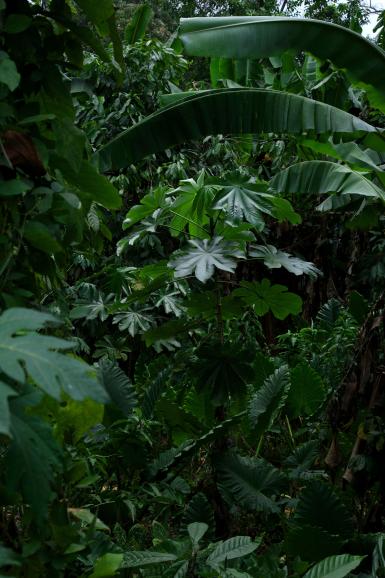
[204, 256]
[243, 200]
[273, 258]
[265, 297]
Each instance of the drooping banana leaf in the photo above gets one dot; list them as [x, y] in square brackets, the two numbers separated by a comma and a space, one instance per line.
[227, 111]
[247, 37]
[320, 177]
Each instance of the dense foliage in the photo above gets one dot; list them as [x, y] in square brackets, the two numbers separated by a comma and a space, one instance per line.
[191, 292]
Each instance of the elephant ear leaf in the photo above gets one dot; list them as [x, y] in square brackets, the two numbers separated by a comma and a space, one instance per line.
[25, 353]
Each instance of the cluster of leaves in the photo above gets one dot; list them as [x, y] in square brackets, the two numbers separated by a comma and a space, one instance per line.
[201, 430]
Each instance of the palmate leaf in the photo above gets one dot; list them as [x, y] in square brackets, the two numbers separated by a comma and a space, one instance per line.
[251, 483]
[204, 256]
[321, 177]
[40, 357]
[230, 549]
[264, 297]
[335, 566]
[227, 111]
[134, 321]
[251, 37]
[273, 258]
[192, 201]
[266, 403]
[225, 369]
[241, 200]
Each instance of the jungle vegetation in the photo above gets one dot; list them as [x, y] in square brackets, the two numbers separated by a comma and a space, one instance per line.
[192, 263]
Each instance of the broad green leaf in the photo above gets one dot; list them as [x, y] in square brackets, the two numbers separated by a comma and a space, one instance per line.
[75, 418]
[307, 391]
[321, 177]
[88, 518]
[273, 258]
[251, 483]
[235, 547]
[137, 559]
[16, 23]
[335, 566]
[266, 403]
[255, 37]
[107, 566]
[193, 199]
[14, 187]
[33, 457]
[97, 12]
[96, 187]
[40, 237]
[264, 297]
[227, 111]
[8, 72]
[24, 352]
[137, 27]
[5, 417]
[149, 204]
[7, 556]
[196, 531]
[204, 256]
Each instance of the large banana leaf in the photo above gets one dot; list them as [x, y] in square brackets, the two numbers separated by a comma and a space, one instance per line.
[226, 111]
[250, 37]
[320, 177]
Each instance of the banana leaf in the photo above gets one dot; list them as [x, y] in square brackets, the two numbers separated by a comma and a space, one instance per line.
[322, 177]
[248, 37]
[227, 111]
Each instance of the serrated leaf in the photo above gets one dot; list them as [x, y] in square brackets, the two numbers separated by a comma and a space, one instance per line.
[204, 256]
[273, 258]
[307, 391]
[264, 297]
[41, 357]
[235, 547]
[335, 566]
